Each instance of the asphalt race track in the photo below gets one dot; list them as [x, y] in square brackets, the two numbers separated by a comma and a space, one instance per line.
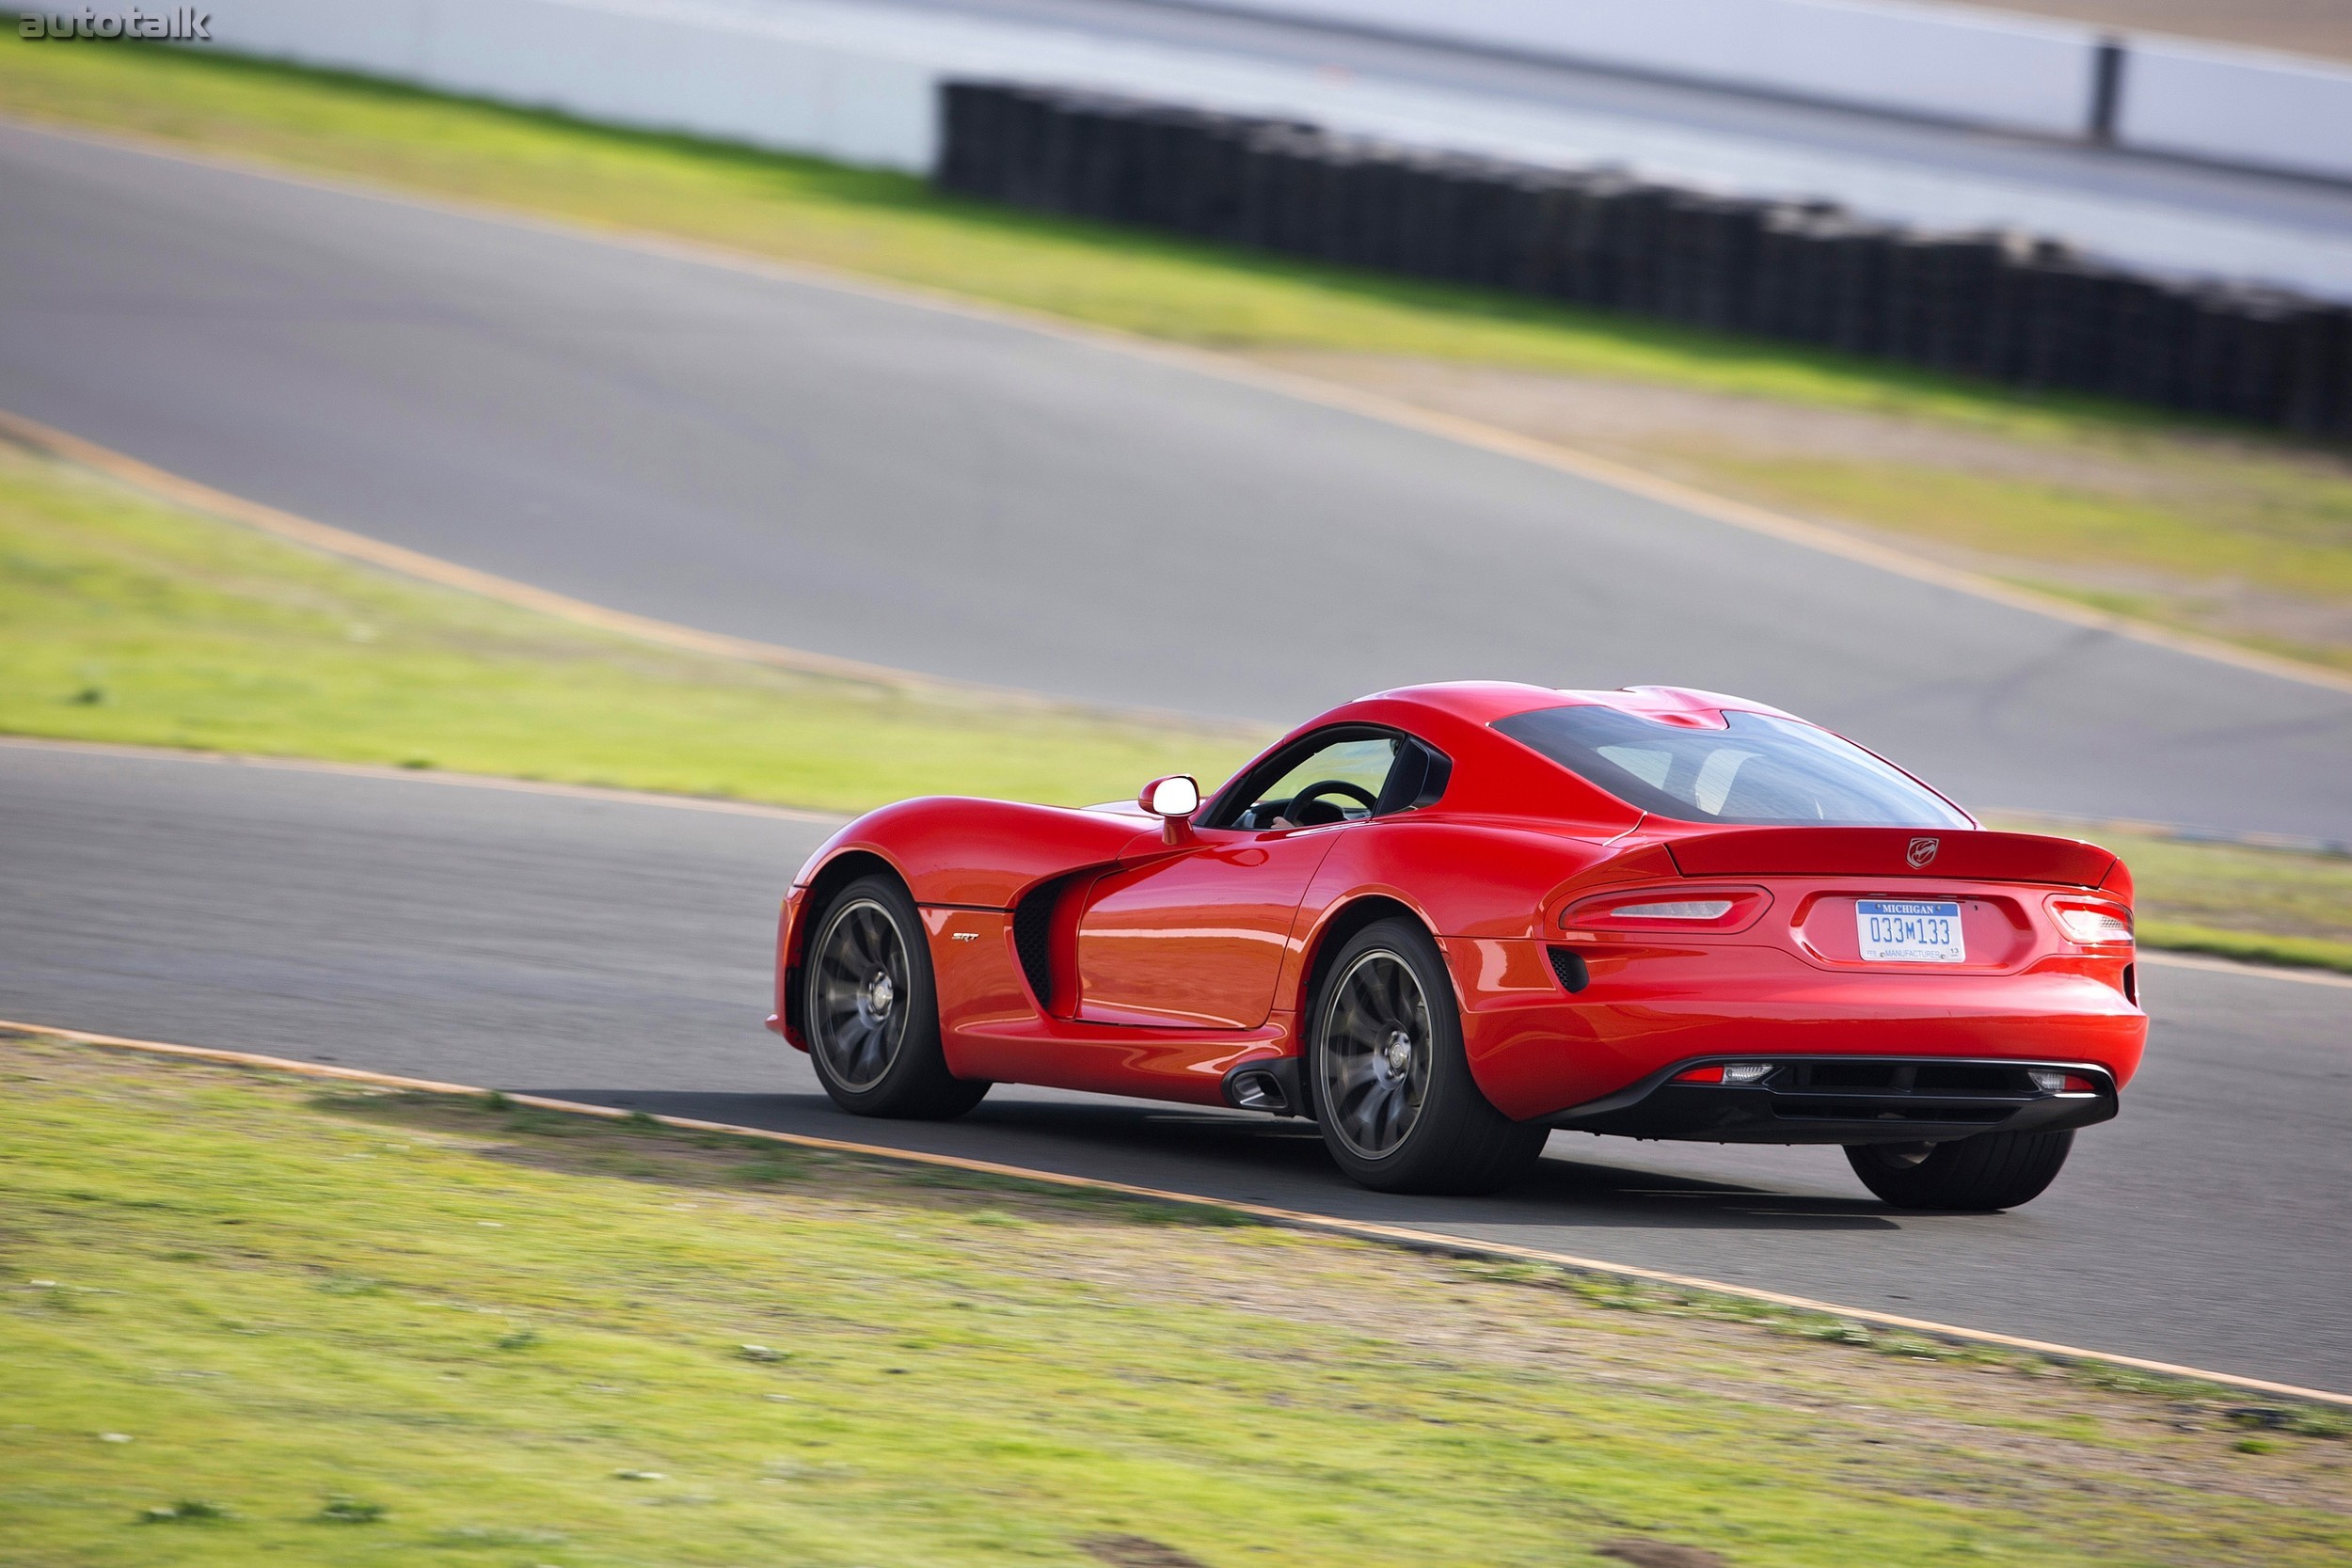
[614, 951]
[858, 475]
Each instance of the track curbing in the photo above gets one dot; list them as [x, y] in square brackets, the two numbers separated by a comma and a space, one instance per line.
[1402, 1237]
[447, 777]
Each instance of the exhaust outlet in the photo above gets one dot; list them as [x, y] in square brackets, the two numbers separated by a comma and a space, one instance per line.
[1270, 1086]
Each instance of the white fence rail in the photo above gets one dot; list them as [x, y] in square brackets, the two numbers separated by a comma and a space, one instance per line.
[2247, 107]
[2232, 106]
[650, 63]
[862, 92]
[1982, 67]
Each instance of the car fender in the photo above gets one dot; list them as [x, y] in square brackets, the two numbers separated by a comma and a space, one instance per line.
[961, 852]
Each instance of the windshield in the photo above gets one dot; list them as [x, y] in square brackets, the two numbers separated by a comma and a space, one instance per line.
[1759, 770]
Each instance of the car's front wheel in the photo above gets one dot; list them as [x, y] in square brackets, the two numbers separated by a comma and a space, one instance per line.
[1992, 1171]
[1392, 1087]
[869, 1011]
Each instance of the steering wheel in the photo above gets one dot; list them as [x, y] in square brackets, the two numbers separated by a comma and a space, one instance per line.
[1324, 811]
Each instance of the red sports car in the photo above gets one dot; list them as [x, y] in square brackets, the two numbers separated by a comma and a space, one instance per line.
[1445, 920]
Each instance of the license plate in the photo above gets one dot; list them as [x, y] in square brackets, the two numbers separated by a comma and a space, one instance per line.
[1909, 930]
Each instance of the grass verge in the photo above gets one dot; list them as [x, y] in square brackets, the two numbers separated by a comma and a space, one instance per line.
[2221, 941]
[244, 1317]
[2237, 535]
[125, 619]
[2238, 902]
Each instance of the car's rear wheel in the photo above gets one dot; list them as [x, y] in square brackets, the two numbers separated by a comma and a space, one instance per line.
[871, 1013]
[1992, 1171]
[1392, 1088]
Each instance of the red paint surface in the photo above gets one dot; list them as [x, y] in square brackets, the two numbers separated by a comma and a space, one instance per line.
[1195, 937]
[1174, 963]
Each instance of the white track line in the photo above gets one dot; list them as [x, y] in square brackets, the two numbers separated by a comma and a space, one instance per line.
[1235, 368]
[1420, 1241]
[427, 775]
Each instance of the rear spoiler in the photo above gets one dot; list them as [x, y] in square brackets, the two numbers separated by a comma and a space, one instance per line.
[1969, 853]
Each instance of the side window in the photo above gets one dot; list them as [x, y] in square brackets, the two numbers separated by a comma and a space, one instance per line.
[1339, 783]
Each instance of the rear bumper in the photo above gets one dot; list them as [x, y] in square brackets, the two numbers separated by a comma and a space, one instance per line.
[1540, 1051]
[1848, 1100]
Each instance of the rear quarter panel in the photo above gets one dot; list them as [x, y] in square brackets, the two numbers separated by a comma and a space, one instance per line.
[1464, 881]
[1491, 891]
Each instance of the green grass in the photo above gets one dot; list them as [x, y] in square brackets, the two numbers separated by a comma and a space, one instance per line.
[2139, 511]
[2300, 543]
[2196, 894]
[245, 1321]
[125, 619]
[2186, 936]
[2239, 901]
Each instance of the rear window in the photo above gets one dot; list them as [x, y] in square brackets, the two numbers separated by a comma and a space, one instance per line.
[1759, 770]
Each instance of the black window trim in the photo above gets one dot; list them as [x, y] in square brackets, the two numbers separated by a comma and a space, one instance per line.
[1242, 790]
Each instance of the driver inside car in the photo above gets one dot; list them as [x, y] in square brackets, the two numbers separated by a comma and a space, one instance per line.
[1338, 783]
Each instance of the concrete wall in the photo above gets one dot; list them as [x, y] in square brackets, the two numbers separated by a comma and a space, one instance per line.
[856, 82]
[1977, 67]
[1985, 67]
[2238, 106]
[650, 63]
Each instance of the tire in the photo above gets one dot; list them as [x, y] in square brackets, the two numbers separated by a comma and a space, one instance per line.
[1424, 1125]
[871, 1012]
[1992, 1171]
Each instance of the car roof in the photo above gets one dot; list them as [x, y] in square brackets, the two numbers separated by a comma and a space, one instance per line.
[1484, 701]
[1496, 775]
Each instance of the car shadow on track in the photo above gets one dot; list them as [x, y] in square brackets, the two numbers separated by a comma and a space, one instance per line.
[1279, 1163]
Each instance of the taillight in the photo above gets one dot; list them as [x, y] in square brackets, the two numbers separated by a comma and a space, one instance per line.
[2094, 923]
[1689, 909]
[1727, 1072]
[1668, 909]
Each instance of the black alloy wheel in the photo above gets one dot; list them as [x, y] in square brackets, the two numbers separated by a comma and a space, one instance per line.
[1392, 1088]
[869, 1012]
[859, 972]
[1376, 1053]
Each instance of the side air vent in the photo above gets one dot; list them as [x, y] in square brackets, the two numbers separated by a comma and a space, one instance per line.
[1567, 963]
[1032, 937]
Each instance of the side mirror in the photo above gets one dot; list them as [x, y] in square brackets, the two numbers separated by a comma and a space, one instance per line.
[1172, 799]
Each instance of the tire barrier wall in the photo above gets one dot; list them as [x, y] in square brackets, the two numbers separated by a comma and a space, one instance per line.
[2000, 307]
